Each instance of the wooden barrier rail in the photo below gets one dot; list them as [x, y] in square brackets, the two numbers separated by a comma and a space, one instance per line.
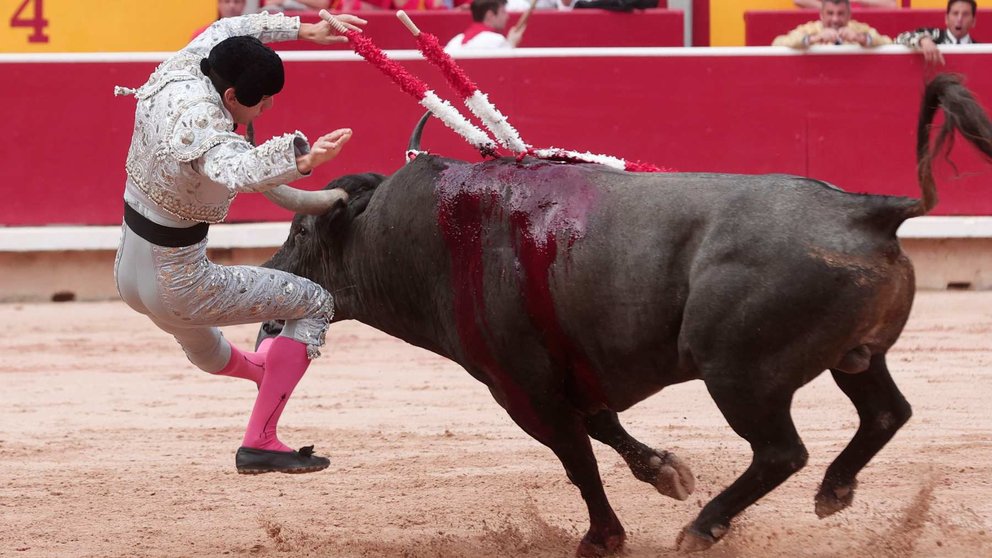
[840, 115]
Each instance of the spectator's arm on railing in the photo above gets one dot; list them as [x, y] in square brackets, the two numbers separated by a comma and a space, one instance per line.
[912, 38]
[874, 37]
[797, 38]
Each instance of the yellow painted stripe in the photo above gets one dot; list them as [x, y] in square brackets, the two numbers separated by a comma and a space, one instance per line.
[727, 18]
[104, 26]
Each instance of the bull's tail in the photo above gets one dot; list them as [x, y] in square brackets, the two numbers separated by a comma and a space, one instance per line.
[962, 113]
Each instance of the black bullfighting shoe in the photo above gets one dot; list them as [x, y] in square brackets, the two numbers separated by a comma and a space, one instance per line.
[251, 461]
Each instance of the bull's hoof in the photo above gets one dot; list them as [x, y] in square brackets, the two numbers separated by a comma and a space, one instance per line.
[673, 477]
[831, 500]
[598, 549]
[693, 540]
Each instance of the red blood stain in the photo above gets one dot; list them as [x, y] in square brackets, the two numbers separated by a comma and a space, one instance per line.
[545, 207]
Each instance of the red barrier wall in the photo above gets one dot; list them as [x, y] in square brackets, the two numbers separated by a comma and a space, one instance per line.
[578, 28]
[762, 26]
[846, 118]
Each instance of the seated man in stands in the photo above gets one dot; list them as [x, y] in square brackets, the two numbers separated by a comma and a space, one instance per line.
[960, 19]
[835, 27]
[817, 4]
[490, 17]
[297, 5]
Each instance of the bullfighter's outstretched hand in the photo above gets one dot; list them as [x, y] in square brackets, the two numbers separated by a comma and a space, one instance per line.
[324, 149]
[323, 33]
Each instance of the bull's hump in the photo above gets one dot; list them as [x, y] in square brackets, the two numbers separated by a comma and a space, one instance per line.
[543, 197]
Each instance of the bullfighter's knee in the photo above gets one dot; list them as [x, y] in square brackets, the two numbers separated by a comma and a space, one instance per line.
[205, 348]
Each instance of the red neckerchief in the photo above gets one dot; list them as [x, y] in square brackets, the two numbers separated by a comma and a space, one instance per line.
[474, 30]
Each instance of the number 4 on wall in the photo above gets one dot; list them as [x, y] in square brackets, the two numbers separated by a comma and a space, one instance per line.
[38, 22]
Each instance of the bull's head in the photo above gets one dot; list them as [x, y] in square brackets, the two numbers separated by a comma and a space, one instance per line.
[313, 247]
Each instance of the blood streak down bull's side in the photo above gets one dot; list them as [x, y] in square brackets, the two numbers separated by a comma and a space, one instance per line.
[573, 291]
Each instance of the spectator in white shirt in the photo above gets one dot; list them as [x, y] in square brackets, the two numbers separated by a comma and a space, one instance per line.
[486, 32]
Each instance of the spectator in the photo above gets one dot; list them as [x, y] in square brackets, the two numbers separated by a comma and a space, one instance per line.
[298, 5]
[418, 5]
[230, 8]
[960, 19]
[514, 6]
[835, 27]
[490, 17]
[225, 8]
[817, 4]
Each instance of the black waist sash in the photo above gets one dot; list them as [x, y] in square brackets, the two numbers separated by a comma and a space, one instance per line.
[160, 235]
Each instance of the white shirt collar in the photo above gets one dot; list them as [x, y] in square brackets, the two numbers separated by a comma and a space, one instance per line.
[966, 40]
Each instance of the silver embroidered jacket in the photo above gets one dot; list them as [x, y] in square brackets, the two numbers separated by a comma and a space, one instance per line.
[184, 157]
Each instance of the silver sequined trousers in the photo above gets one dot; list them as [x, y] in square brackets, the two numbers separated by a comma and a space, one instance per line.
[189, 296]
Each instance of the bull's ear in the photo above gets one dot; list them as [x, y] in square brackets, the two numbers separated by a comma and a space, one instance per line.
[360, 188]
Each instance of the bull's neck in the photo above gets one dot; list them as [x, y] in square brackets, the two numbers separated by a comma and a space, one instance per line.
[371, 288]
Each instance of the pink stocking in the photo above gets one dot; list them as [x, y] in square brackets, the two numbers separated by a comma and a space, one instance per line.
[285, 364]
[250, 366]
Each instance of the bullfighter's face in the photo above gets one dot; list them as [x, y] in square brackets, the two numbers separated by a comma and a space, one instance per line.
[242, 114]
[960, 19]
[835, 15]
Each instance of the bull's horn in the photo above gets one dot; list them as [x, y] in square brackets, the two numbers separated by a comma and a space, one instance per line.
[307, 202]
[418, 130]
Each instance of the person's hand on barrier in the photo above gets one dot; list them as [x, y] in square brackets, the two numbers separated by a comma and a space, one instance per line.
[930, 51]
[323, 33]
[825, 37]
[324, 149]
[849, 35]
[516, 33]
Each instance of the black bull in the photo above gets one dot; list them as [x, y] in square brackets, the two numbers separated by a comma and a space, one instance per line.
[574, 291]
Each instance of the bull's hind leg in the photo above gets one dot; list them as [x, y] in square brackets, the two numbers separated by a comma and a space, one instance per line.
[559, 426]
[882, 410]
[662, 470]
[764, 420]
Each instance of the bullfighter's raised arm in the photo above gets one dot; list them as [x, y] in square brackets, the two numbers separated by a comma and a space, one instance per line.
[269, 28]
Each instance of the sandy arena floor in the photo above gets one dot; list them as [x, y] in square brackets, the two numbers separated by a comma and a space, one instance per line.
[111, 444]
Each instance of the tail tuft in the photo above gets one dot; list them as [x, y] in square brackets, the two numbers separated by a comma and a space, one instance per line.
[962, 113]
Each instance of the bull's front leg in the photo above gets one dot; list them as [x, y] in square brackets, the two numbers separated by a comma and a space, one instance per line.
[662, 470]
[559, 426]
